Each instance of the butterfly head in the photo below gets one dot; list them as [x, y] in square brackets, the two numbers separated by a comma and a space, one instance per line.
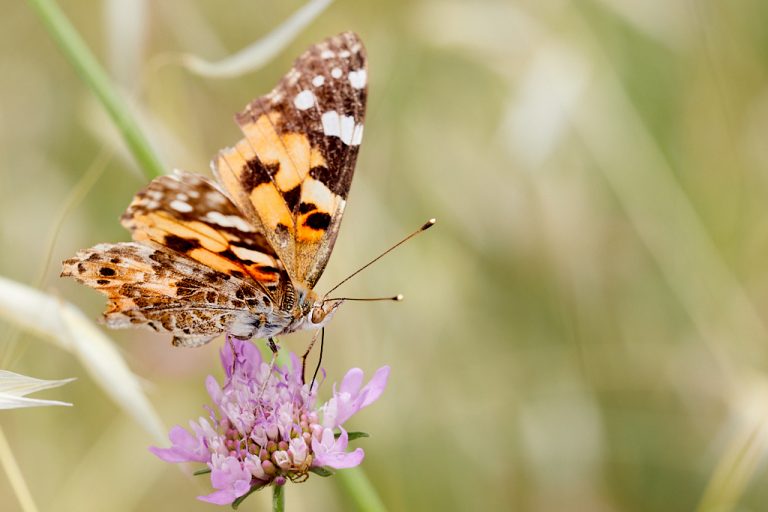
[315, 311]
[322, 311]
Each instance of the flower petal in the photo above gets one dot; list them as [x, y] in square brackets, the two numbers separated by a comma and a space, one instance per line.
[185, 448]
[375, 386]
[222, 497]
[298, 450]
[213, 388]
[343, 460]
[246, 355]
[331, 452]
[229, 475]
[350, 398]
[352, 381]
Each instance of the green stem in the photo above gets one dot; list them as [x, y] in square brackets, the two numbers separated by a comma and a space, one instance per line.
[357, 486]
[278, 498]
[93, 74]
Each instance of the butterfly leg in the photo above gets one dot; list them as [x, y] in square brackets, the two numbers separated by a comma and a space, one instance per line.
[306, 354]
[319, 359]
[234, 353]
[272, 344]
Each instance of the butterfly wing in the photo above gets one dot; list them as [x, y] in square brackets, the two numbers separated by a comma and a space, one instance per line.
[188, 214]
[148, 286]
[291, 173]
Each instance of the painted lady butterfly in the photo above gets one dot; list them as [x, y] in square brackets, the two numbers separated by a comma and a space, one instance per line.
[241, 255]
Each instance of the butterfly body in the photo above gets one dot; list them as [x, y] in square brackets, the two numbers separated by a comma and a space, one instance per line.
[310, 312]
[242, 254]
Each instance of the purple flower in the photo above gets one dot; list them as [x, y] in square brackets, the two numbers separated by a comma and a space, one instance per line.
[267, 428]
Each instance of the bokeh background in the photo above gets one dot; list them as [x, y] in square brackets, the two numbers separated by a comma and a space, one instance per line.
[584, 329]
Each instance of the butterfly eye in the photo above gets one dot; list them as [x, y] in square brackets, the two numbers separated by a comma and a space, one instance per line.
[318, 314]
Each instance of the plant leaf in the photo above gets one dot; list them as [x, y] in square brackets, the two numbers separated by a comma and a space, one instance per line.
[239, 500]
[321, 471]
[353, 435]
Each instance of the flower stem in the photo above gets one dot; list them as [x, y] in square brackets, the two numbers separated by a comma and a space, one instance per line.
[358, 487]
[278, 498]
[93, 74]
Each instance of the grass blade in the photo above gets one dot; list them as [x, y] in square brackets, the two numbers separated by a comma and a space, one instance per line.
[11, 467]
[260, 52]
[93, 74]
[64, 324]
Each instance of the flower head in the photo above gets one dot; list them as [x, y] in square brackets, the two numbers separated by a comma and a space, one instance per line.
[267, 428]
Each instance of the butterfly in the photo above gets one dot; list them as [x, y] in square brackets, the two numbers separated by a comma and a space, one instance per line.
[241, 254]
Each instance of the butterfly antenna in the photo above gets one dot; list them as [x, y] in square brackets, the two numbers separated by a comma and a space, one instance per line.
[426, 226]
[396, 298]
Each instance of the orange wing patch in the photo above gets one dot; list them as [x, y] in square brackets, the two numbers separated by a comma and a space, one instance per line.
[291, 172]
[220, 239]
[205, 245]
[272, 170]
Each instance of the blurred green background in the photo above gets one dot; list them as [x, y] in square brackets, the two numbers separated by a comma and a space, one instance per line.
[584, 329]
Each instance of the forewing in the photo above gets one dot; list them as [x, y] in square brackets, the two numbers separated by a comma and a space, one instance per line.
[149, 287]
[189, 215]
[292, 171]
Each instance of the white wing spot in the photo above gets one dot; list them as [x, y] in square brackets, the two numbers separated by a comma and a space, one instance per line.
[343, 127]
[331, 123]
[304, 100]
[336, 72]
[327, 54]
[318, 80]
[347, 129]
[344, 54]
[250, 255]
[181, 206]
[228, 221]
[154, 194]
[215, 198]
[357, 137]
[358, 79]
[181, 196]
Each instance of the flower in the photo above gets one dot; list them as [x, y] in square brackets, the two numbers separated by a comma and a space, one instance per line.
[267, 429]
